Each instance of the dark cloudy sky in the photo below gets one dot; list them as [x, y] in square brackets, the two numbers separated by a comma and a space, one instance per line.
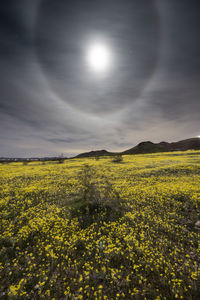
[52, 101]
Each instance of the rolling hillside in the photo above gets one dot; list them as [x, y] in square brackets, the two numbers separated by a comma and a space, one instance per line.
[149, 147]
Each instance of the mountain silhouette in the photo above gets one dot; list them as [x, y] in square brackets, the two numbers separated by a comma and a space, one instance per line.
[149, 147]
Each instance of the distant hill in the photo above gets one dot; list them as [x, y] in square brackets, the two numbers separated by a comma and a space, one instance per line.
[149, 147]
[193, 143]
[94, 153]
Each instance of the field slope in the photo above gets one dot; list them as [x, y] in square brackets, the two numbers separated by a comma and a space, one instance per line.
[95, 229]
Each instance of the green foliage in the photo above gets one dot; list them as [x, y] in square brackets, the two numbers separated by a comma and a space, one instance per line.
[117, 158]
[95, 200]
[60, 160]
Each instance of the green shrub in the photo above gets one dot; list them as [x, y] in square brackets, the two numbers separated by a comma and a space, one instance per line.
[61, 159]
[117, 159]
[96, 200]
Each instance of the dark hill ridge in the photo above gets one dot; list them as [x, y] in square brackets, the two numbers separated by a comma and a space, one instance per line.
[193, 143]
[149, 147]
[95, 153]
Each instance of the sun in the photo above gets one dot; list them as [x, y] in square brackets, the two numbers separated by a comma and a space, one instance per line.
[98, 57]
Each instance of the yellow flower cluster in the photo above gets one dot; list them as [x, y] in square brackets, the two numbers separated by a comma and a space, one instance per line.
[151, 251]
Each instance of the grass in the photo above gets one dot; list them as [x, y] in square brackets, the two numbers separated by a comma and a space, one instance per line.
[94, 229]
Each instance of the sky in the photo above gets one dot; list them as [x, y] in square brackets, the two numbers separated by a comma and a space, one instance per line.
[84, 75]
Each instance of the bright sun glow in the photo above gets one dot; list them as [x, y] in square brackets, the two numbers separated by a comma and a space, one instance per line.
[98, 57]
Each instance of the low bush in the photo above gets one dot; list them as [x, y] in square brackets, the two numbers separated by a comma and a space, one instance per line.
[118, 159]
[96, 201]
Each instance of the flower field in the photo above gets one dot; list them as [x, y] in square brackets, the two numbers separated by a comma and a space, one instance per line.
[97, 229]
